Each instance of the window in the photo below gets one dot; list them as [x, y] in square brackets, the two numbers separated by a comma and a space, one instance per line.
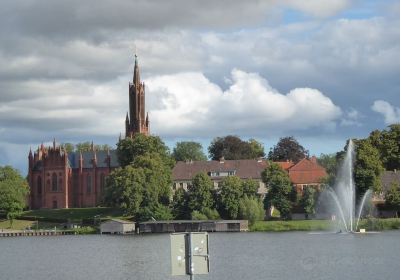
[89, 184]
[54, 185]
[39, 185]
[102, 182]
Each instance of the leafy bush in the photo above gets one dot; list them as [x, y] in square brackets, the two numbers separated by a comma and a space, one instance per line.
[251, 208]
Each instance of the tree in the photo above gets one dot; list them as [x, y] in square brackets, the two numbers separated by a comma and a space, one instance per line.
[142, 185]
[287, 148]
[250, 187]
[308, 201]
[280, 193]
[130, 148]
[368, 167]
[392, 197]
[84, 147]
[388, 144]
[251, 209]
[200, 193]
[329, 162]
[69, 147]
[180, 207]
[125, 189]
[231, 191]
[188, 150]
[13, 192]
[232, 148]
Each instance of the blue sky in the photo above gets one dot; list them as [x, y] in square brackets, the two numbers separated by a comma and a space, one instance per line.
[320, 70]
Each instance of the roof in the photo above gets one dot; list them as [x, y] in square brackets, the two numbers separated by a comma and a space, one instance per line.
[389, 177]
[284, 164]
[245, 168]
[73, 159]
[306, 171]
[119, 221]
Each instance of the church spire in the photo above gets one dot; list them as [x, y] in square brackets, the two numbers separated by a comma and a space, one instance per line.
[136, 75]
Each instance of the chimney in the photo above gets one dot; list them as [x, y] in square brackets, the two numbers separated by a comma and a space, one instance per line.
[222, 160]
[313, 159]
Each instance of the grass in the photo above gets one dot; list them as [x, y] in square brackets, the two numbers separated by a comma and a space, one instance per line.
[17, 224]
[298, 225]
[72, 214]
[370, 224]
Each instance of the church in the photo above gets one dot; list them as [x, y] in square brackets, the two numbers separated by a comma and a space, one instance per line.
[58, 179]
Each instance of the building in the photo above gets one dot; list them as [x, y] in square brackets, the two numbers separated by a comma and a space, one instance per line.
[58, 179]
[116, 226]
[306, 172]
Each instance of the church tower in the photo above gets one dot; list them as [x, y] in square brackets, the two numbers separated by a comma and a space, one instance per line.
[137, 121]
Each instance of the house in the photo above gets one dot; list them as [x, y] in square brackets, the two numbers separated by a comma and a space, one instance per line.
[116, 226]
[306, 172]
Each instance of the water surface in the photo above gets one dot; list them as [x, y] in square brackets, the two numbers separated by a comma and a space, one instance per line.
[244, 256]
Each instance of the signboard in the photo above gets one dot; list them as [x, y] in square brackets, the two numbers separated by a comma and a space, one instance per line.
[190, 253]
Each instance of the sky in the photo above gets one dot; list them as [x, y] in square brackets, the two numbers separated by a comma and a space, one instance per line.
[322, 71]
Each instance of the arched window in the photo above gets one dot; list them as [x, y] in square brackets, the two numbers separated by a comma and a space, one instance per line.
[102, 182]
[39, 185]
[54, 185]
[89, 184]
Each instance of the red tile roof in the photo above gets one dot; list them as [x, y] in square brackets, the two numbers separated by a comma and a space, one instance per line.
[306, 172]
[285, 165]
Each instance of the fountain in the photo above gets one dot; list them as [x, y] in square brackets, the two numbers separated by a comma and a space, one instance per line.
[343, 195]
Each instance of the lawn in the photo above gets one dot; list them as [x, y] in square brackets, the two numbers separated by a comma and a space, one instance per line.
[17, 224]
[72, 214]
[298, 225]
[370, 224]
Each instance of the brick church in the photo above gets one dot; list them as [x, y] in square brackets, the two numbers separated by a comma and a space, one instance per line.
[59, 179]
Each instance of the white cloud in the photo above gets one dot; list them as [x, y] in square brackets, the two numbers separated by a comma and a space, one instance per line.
[389, 112]
[351, 117]
[319, 8]
[188, 104]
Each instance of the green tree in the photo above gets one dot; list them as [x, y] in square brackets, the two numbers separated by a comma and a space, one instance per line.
[308, 201]
[200, 193]
[287, 148]
[388, 144]
[232, 147]
[250, 187]
[188, 150]
[13, 192]
[130, 148]
[392, 197]
[251, 209]
[329, 162]
[368, 167]
[180, 207]
[280, 190]
[69, 147]
[231, 191]
[125, 189]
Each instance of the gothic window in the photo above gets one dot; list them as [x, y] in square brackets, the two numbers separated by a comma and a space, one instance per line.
[54, 185]
[39, 185]
[102, 182]
[89, 184]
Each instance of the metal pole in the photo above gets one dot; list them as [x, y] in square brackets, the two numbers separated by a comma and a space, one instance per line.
[190, 256]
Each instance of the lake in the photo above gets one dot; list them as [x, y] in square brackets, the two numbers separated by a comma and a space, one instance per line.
[244, 256]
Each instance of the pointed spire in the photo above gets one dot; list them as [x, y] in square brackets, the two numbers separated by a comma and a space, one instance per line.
[127, 118]
[54, 143]
[30, 152]
[92, 146]
[147, 119]
[136, 76]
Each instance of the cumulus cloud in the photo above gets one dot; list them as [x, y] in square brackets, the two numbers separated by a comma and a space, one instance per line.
[188, 104]
[388, 111]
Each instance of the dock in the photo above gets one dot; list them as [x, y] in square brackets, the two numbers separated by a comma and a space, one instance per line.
[193, 226]
[15, 233]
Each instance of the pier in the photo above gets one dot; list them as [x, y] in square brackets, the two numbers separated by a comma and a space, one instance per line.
[15, 233]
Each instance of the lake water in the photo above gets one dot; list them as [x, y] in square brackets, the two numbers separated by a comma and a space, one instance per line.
[244, 256]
